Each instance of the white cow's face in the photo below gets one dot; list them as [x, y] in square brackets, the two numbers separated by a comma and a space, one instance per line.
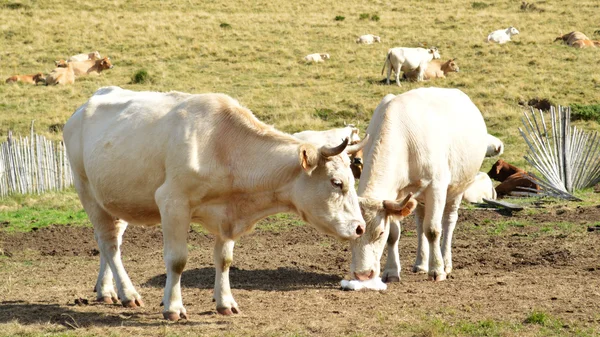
[324, 194]
[513, 31]
[435, 52]
[367, 250]
[377, 38]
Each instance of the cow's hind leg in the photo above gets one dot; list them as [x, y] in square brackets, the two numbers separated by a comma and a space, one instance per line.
[422, 261]
[175, 219]
[449, 223]
[223, 256]
[391, 272]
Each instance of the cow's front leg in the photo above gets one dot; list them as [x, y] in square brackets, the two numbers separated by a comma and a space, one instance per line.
[422, 260]
[175, 217]
[226, 305]
[391, 272]
[105, 291]
[449, 223]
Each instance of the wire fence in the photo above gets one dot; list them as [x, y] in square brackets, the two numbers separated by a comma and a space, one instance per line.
[33, 164]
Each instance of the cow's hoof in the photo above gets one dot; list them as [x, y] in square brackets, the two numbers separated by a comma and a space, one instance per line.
[228, 311]
[107, 300]
[133, 303]
[174, 316]
[390, 279]
[437, 277]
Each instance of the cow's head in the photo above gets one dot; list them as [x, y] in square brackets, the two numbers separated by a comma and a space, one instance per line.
[367, 250]
[325, 56]
[104, 64]
[451, 66]
[94, 55]
[60, 64]
[39, 77]
[435, 52]
[513, 31]
[377, 38]
[324, 193]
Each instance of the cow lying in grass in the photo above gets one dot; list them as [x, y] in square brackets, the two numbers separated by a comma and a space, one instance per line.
[435, 69]
[511, 177]
[32, 79]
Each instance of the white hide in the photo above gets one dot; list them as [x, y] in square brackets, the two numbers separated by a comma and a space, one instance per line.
[371, 284]
[84, 57]
[502, 35]
[481, 187]
[417, 145]
[317, 57]
[495, 146]
[368, 39]
[175, 158]
[330, 137]
[408, 59]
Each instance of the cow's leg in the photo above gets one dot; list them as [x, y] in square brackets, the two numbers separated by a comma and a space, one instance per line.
[108, 232]
[223, 256]
[391, 272]
[175, 219]
[398, 75]
[422, 261]
[421, 75]
[435, 201]
[389, 72]
[449, 223]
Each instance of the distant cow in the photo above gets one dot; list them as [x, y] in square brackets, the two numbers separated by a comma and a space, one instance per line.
[502, 35]
[481, 187]
[90, 67]
[495, 146]
[435, 69]
[368, 39]
[83, 57]
[407, 60]
[502, 170]
[571, 37]
[61, 76]
[33, 79]
[317, 57]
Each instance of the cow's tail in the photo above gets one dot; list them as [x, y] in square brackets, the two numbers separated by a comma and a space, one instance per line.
[387, 60]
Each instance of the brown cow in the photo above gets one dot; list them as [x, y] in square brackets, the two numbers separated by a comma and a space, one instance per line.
[513, 182]
[61, 76]
[91, 67]
[584, 44]
[501, 170]
[435, 69]
[33, 79]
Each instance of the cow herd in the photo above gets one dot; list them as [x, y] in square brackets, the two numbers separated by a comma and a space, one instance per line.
[65, 72]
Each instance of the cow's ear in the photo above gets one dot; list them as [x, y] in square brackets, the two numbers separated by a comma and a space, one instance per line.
[400, 209]
[309, 157]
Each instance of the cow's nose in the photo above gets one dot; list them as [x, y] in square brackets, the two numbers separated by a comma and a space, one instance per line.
[364, 275]
[360, 229]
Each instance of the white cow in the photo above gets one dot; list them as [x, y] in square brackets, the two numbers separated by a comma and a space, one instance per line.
[481, 187]
[175, 158]
[417, 145]
[368, 39]
[502, 35]
[495, 146]
[317, 57]
[84, 57]
[408, 59]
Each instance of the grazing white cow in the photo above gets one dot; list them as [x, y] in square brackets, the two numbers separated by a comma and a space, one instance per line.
[95, 55]
[317, 57]
[417, 145]
[368, 39]
[175, 158]
[481, 187]
[502, 35]
[408, 59]
[495, 146]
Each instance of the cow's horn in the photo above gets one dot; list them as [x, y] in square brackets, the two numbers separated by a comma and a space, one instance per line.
[352, 149]
[397, 206]
[334, 151]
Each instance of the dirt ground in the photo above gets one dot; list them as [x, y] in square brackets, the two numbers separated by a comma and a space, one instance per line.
[286, 281]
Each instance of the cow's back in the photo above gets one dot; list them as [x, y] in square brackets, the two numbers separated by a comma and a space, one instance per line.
[422, 135]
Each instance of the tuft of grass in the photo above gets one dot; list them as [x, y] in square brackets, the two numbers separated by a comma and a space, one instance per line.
[539, 318]
[479, 5]
[225, 25]
[363, 16]
[585, 112]
[141, 77]
[374, 17]
[340, 18]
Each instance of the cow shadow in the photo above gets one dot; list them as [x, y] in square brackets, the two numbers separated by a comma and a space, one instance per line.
[281, 279]
[25, 313]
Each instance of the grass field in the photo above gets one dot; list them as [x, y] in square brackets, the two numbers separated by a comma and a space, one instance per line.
[253, 51]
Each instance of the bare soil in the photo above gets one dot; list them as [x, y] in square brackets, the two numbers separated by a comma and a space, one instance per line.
[287, 281]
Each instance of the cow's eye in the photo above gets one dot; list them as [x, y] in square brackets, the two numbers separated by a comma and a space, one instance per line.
[337, 183]
[380, 235]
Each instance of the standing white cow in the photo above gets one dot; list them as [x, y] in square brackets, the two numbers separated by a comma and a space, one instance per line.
[417, 145]
[408, 59]
[502, 35]
[175, 158]
[368, 39]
